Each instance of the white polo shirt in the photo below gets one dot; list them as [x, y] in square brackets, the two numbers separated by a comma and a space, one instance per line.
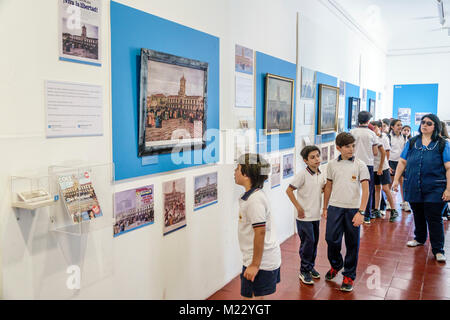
[254, 212]
[365, 140]
[309, 187]
[346, 176]
[383, 141]
[397, 145]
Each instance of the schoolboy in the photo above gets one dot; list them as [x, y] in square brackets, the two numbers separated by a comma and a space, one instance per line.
[309, 184]
[257, 237]
[365, 150]
[382, 178]
[344, 207]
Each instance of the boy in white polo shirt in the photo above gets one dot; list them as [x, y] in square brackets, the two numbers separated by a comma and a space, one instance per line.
[365, 150]
[257, 238]
[309, 184]
[346, 176]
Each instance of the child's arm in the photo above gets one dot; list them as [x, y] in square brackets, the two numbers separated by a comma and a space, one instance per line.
[383, 154]
[290, 193]
[326, 197]
[358, 218]
[258, 248]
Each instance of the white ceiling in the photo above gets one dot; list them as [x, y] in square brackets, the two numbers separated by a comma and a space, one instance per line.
[399, 26]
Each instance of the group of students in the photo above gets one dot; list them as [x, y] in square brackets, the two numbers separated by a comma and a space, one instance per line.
[369, 158]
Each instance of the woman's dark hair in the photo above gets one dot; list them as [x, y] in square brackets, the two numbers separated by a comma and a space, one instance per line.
[437, 126]
[392, 124]
[255, 167]
[344, 138]
[307, 150]
[444, 132]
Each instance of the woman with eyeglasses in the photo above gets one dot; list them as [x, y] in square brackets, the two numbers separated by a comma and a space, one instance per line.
[426, 158]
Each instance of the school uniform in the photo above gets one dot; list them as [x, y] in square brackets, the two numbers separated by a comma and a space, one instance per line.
[424, 183]
[254, 212]
[309, 186]
[365, 140]
[397, 144]
[385, 178]
[345, 199]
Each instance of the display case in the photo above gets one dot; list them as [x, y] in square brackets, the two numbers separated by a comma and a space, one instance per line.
[32, 192]
[85, 193]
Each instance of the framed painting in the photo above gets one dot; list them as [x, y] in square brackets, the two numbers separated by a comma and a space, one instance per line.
[279, 105]
[353, 110]
[328, 109]
[372, 104]
[172, 103]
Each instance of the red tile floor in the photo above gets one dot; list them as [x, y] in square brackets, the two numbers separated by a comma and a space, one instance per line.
[404, 273]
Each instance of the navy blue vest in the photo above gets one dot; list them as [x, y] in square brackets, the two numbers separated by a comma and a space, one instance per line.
[425, 179]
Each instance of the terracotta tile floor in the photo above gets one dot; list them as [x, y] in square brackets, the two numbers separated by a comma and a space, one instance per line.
[405, 273]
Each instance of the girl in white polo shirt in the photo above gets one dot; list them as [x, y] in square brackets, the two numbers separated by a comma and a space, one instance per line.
[257, 238]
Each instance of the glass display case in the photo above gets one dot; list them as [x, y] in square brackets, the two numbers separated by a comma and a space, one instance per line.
[32, 192]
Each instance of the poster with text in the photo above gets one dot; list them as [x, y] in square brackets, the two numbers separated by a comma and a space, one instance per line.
[404, 115]
[174, 201]
[80, 31]
[288, 165]
[133, 209]
[205, 190]
[275, 174]
[418, 117]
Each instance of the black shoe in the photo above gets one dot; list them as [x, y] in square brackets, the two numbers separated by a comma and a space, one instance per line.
[315, 274]
[372, 215]
[331, 274]
[394, 215]
[306, 278]
[377, 213]
[347, 284]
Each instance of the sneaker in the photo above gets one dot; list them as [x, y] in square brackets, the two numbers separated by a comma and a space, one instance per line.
[372, 215]
[406, 207]
[394, 215]
[315, 274]
[331, 274]
[367, 220]
[440, 257]
[306, 277]
[347, 284]
[413, 243]
[377, 213]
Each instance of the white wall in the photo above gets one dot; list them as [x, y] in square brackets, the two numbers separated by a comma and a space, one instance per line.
[191, 263]
[419, 69]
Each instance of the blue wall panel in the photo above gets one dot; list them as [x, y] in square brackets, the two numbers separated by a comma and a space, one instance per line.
[418, 97]
[132, 30]
[268, 64]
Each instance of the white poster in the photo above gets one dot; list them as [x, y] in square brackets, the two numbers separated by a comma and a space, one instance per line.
[244, 91]
[73, 109]
[309, 113]
[418, 117]
[404, 115]
[79, 31]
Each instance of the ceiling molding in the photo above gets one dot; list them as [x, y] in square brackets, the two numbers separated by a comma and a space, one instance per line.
[418, 51]
[341, 13]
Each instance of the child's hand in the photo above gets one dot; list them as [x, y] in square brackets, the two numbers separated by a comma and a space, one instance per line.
[251, 272]
[324, 213]
[379, 172]
[300, 213]
[358, 219]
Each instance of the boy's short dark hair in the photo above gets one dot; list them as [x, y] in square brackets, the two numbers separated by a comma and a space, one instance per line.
[307, 150]
[344, 138]
[364, 117]
[255, 167]
[377, 123]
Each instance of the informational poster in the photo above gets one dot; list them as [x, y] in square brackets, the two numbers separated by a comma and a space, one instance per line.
[243, 59]
[288, 165]
[80, 31]
[404, 115]
[78, 195]
[275, 177]
[73, 109]
[133, 209]
[418, 117]
[244, 91]
[309, 113]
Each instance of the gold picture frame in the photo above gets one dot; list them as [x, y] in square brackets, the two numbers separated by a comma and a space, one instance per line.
[278, 105]
[328, 114]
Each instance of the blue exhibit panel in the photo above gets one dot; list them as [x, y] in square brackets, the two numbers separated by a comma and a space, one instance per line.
[268, 64]
[417, 97]
[351, 91]
[371, 95]
[132, 30]
[323, 78]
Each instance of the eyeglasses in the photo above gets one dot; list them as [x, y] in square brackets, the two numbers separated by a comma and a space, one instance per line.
[428, 123]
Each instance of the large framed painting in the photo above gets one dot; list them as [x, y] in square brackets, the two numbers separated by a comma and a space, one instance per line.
[328, 109]
[173, 103]
[279, 104]
[354, 105]
[372, 104]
